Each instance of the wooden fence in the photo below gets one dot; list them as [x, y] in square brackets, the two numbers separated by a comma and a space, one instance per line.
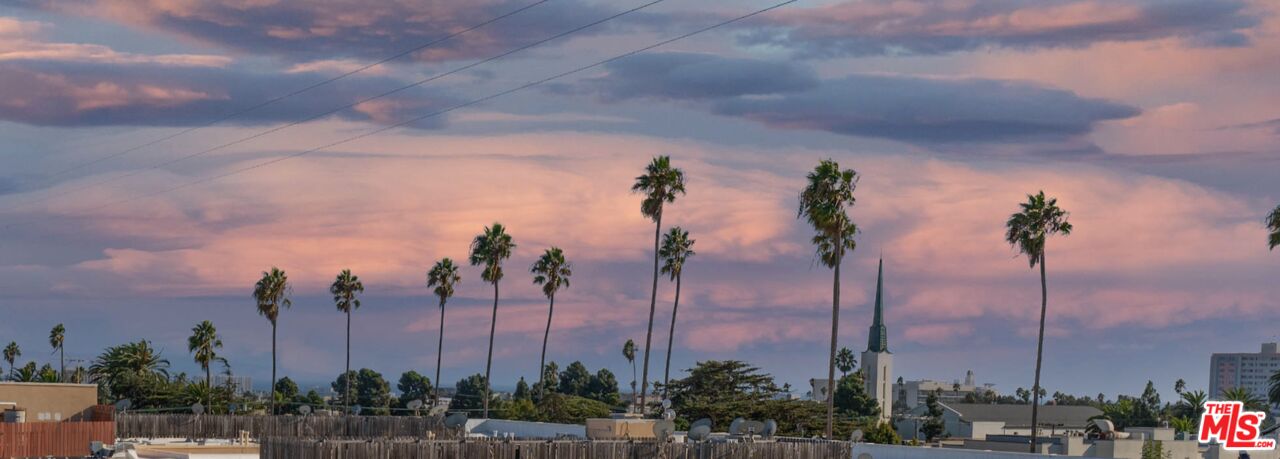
[229, 426]
[302, 448]
[61, 439]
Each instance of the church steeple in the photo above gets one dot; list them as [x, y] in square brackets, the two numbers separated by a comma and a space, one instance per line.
[878, 338]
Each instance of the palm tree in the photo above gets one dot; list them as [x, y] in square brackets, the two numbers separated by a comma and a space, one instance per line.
[1028, 230]
[676, 249]
[344, 290]
[490, 248]
[11, 354]
[824, 203]
[845, 361]
[443, 276]
[1245, 396]
[56, 338]
[272, 293]
[551, 271]
[203, 344]
[1273, 228]
[660, 184]
[123, 363]
[629, 351]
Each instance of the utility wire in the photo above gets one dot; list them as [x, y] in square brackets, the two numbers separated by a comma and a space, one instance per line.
[443, 111]
[296, 92]
[342, 108]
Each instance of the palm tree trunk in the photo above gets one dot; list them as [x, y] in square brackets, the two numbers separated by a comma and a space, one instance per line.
[273, 368]
[208, 385]
[62, 363]
[488, 366]
[835, 330]
[653, 305]
[346, 398]
[633, 380]
[1035, 388]
[671, 339]
[439, 355]
[542, 364]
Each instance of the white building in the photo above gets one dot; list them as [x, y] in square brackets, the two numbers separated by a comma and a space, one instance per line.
[914, 393]
[977, 421]
[877, 361]
[1247, 370]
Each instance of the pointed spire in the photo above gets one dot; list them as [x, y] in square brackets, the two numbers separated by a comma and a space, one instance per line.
[878, 338]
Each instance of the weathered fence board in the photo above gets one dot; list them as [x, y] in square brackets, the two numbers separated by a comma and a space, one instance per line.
[61, 439]
[230, 426]
[301, 448]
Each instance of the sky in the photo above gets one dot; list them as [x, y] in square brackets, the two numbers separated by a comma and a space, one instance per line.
[159, 155]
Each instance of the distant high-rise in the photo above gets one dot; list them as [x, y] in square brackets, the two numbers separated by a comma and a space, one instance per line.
[877, 361]
[1247, 370]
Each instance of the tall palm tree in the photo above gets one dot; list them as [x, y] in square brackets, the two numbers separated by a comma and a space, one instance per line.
[272, 293]
[629, 351]
[824, 204]
[203, 344]
[552, 272]
[11, 354]
[660, 184]
[1273, 228]
[344, 290]
[56, 337]
[128, 362]
[676, 249]
[443, 277]
[1027, 231]
[1251, 401]
[489, 249]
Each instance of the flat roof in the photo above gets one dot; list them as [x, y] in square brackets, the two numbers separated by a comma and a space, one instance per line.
[52, 384]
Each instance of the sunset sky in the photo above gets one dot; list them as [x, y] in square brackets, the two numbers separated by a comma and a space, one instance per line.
[1156, 125]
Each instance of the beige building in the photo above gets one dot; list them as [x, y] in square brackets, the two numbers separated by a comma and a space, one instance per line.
[47, 402]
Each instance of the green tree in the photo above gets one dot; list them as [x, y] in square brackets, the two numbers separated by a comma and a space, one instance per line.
[489, 249]
[604, 388]
[550, 379]
[933, 426]
[575, 379]
[203, 344]
[552, 272]
[28, 373]
[344, 289]
[852, 397]
[882, 433]
[469, 393]
[1243, 395]
[372, 392]
[570, 409]
[660, 184]
[1179, 386]
[1273, 228]
[47, 374]
[1190, 405]
[11, 354]
[58, 336]
[522, 390]
[413, 386]
[629, 352]
[676, 249]
[845, 361]
[133, 371]
[271, 294]
[441, 279]
[287, 392]
[1027, 231]
[1154, 449]
[824, 203]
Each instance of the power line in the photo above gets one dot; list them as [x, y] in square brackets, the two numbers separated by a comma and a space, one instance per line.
[297, 91]
[445, 110]
[342, 108]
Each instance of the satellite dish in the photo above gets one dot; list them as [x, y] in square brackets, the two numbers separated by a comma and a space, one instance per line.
[669, 415]
[699, 432]
[455, 420]
[666, 404]
[304, 410]
[437, 410]
[123, 405]
[770, 429]
[414, 404]
[735, 427]
[856, 436]
[701, 422]
[357, 409]
[231, 408]
[197, 409]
